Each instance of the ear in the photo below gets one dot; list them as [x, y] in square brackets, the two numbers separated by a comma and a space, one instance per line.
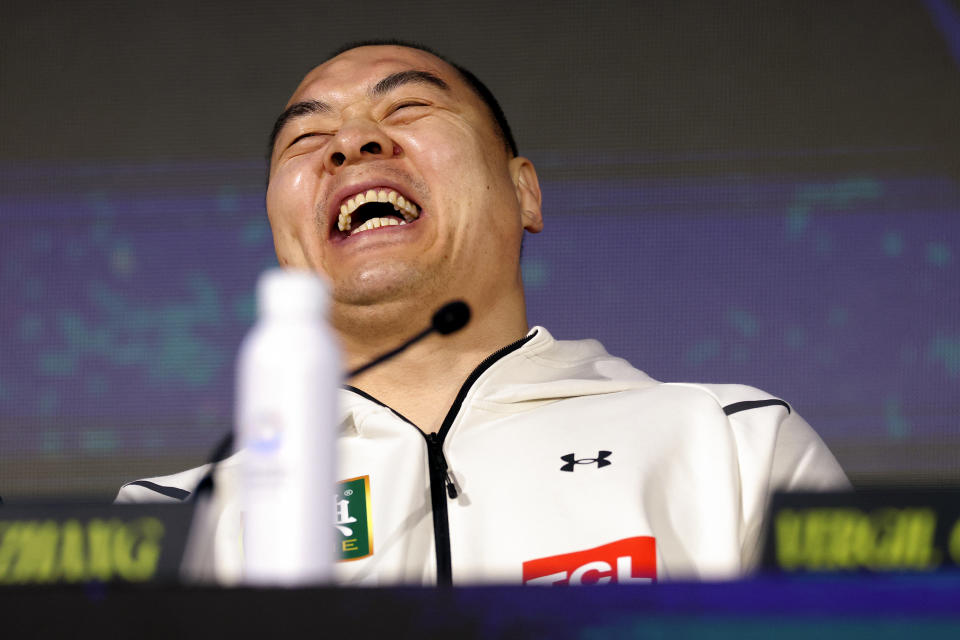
[527, 187]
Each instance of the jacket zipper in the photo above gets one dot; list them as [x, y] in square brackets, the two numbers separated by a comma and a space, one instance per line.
[440, 474]
[440, 462]
[439, 477]
[442, 486]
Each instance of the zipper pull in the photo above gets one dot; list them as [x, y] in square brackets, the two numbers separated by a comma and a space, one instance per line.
[451, 489]
[442, 467]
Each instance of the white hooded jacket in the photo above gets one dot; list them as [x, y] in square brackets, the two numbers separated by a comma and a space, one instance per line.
[564, 465]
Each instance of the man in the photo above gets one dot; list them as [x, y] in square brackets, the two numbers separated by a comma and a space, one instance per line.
[496, 454]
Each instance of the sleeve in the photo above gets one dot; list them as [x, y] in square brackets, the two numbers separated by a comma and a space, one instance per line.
[172, 488]
[133, 493]
[802, 462]
[777, 451]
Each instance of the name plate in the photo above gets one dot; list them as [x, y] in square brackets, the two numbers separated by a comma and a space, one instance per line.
[873, 530]
[78, 542]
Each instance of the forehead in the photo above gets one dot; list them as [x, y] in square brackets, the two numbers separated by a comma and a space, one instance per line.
[358, 70]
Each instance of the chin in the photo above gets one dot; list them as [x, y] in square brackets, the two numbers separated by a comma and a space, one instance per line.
[379, 286]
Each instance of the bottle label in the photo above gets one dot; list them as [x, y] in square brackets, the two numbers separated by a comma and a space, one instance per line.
[353, 519]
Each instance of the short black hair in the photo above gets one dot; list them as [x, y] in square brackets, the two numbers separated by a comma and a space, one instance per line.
[501, 125]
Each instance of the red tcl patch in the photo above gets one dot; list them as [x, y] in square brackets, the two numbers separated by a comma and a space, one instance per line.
[628, 561]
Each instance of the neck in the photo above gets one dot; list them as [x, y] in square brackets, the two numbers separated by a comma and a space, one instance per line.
[422, 382]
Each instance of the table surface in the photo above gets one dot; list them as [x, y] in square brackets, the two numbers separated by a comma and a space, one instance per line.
[877, 606]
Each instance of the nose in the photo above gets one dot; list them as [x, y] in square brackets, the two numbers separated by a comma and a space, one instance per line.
[356, 141]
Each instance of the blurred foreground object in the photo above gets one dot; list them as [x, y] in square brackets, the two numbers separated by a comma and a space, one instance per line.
[288, 374]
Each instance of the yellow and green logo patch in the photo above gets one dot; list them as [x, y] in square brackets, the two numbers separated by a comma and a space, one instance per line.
[353, 519]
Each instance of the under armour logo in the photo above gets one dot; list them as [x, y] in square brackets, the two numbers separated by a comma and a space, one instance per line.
[571, 460]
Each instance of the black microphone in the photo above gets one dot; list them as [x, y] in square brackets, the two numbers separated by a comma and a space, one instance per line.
[449, 318]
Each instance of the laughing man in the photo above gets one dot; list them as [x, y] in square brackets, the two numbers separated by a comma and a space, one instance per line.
[496, 454]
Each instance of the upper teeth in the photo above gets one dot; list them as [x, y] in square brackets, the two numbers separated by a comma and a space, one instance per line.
[407, 209]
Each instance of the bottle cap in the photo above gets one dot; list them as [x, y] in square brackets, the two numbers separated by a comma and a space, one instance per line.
[291, 292]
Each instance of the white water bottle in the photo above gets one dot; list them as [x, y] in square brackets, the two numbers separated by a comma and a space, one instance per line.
[288, 375]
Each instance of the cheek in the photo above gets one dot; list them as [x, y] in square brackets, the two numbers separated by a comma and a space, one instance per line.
[456, 165]
[289, 202]
[434, 153]
[289, 197]
[446, 142]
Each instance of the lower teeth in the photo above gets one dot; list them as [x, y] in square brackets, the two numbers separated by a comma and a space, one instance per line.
[376, 223]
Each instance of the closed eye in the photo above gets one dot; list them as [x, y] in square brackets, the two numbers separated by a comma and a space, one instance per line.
[301, 137]
[315, 141]
[406, 104]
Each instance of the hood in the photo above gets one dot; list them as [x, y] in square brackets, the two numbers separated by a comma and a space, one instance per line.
[546, 369]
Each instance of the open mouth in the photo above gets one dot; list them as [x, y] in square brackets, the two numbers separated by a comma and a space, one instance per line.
[373, 209]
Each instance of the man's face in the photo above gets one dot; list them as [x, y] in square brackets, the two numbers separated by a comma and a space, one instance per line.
[397, 122]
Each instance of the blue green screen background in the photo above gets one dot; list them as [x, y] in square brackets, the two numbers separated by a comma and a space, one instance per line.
[760, 193]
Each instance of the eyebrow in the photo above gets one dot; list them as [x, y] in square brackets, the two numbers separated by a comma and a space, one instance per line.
[400, 78]
[388, 84]
[296, 110]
